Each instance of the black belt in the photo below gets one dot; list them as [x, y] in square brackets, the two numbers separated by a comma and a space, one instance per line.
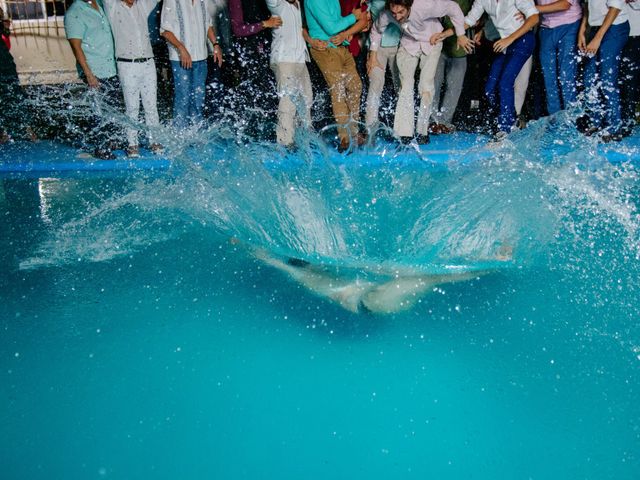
[133, 60]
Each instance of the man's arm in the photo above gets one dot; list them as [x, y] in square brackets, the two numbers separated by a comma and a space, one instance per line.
[612, 14]
[329, 23]
[185, 56]
[529, 10]
[76, 48]
[357, 27]
[217, 51]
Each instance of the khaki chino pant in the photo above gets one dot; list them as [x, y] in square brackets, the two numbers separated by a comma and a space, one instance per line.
[339, 70]
[386, 56]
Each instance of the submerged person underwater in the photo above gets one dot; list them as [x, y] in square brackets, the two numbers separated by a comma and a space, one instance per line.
[397, 291]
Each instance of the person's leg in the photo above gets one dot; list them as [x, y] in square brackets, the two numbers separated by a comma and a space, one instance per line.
[198, 79]
[403, 124]
[392, 60]
[287, 86]
[376, 85]
[130, 79]
[517, 55]
[491, 87]
[568, 62]
[307, 95]
[456, 70]
[330, 65]
[629, 81]
[521, 84]
[149, 94]
[549, 66]
[591, 77]
[610, 54]
[353, 89]
[438, 84]
[181, 97]
[428, 66]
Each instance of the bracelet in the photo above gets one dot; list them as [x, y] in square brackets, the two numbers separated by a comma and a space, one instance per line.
[216, 44]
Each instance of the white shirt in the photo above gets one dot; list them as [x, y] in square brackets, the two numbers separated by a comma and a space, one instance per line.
[633, 12]
[598, 10]
[130, 27]
[502, 13]
[288, 45]
[189, 21]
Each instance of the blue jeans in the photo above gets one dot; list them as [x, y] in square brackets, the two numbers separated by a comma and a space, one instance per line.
[558, 59]
[504, 70]
[188, 99]
[629, 80]
[601, 79]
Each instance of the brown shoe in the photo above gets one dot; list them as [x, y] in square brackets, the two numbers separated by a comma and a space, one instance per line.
[361, 139]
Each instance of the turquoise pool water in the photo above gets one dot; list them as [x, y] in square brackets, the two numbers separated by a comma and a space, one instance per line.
[139, 342]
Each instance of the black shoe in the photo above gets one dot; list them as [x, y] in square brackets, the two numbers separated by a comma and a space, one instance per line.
[423, 139]
[583, 124]
[406, 140]
[104, 154]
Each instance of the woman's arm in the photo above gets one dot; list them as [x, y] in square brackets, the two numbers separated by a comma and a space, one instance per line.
[559, 6]
[502, 44]
[593, 46]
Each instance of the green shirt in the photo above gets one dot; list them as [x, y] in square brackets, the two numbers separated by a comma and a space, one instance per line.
[450, 46]
[324, 19]
[83, 22]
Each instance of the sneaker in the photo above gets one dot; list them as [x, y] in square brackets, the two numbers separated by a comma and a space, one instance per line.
[156, 148]
[344, 145]
[423, 139]
[500, 136]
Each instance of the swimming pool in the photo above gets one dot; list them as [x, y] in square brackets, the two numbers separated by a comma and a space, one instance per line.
[138, 341]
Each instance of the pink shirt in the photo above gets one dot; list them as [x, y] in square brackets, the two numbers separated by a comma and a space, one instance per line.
[555, 19]
[423, 22]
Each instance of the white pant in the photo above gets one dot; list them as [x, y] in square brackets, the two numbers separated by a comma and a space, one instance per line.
[521, 84]
[138, 81]
[296, 95]
[403, 124]
[385, 55]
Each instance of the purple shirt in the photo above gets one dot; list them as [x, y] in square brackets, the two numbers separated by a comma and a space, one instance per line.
[238, 25]
[423, 22]
[555, 19]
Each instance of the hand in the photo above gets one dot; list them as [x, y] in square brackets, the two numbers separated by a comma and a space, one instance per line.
[273, 22]
[372, 62]
[185, 57]
[465, 43]
[217, 55]
[501, 45]
[318, 44]
[582, 42]
[369, 23]
[477, 37]
[437, 38]
[93, 81]
[340, 38]
[593, 46]
[358, 13]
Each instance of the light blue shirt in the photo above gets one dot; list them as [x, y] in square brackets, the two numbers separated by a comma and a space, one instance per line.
[391, 36]
[83, 22]
[324, 19]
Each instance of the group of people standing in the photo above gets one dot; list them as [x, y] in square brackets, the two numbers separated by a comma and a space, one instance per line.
[354, 40]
